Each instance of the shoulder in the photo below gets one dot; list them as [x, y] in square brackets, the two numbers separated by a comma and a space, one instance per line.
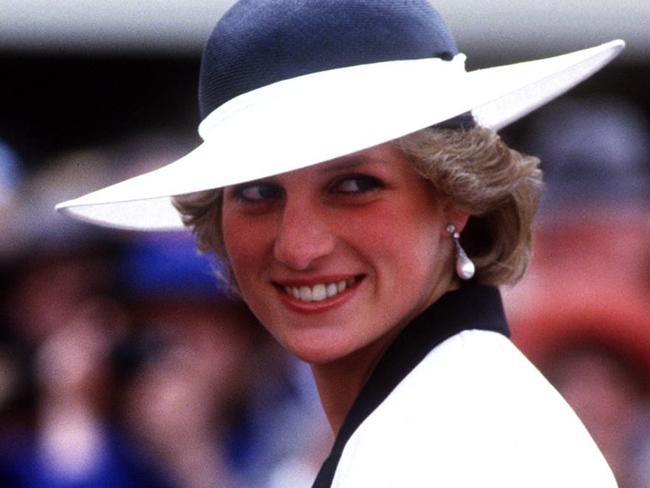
[474, 412]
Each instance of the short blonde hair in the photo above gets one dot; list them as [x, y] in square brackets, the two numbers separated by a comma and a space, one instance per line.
[499, 187]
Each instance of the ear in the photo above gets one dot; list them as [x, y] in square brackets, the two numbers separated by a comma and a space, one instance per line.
[455, 215]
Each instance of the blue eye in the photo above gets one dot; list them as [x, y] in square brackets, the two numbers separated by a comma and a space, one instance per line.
[257, 192]
[356, 184]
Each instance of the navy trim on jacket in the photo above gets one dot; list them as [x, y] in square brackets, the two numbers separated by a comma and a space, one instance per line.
[472, 306]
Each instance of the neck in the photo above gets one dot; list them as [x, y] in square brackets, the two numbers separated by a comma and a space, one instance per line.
[339, 382]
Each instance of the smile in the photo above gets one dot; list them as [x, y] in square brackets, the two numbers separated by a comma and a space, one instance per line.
[320, 291]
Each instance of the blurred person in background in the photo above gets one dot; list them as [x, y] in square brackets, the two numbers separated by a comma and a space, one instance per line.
[582, 311]
[597, 354]
[60, 306]
[16, 385]
[183, 384]
[63, 308]
[593, 232]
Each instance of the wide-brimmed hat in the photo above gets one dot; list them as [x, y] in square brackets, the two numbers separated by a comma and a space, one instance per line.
[286, 84]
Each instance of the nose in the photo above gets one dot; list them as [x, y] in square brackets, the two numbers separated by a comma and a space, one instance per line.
[303, 236]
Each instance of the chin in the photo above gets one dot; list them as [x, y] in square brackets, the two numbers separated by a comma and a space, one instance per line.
[317, 350]
[316, 354]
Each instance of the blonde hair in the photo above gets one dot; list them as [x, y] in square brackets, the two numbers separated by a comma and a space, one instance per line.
[499, 187]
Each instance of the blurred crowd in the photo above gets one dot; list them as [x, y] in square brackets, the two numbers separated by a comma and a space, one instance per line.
[126, 361]
[582, 314]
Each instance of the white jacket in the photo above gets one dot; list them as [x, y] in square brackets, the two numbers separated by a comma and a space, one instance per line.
[454, 404]
[474, 413]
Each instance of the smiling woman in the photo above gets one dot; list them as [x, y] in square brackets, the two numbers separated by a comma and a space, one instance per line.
[352, 179]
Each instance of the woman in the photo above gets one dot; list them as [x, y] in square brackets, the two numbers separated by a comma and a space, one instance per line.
[352, 178]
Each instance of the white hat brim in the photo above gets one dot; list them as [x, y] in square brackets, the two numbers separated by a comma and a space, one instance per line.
[313, 118]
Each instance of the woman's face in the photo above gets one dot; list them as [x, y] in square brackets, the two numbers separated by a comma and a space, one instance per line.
[338, 257]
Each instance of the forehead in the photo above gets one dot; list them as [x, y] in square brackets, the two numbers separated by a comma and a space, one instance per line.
[386, 160]
[385, 157]
[383, 153]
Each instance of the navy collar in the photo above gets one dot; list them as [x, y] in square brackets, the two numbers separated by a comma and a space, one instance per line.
[472, 306]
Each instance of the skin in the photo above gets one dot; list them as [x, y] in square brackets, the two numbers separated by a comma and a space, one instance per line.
[367, 217]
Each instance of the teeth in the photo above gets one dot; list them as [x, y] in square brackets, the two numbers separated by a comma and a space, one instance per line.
[305, 294]
[332, 290]
[319, 292]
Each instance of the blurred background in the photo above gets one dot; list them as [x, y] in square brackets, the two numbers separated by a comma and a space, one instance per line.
[125, 362]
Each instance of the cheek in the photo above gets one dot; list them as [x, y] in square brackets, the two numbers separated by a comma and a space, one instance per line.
[379, 235]
[405, 236]
[243, 240]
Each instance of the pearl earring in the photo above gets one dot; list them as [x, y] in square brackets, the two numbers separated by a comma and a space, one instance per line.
[465, 268]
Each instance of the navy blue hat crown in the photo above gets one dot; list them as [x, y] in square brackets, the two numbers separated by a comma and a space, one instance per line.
[259, 42]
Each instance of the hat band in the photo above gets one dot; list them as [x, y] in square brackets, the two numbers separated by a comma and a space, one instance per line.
[324, 84]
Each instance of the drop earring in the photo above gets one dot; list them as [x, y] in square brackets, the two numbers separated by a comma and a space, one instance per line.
[465, 268]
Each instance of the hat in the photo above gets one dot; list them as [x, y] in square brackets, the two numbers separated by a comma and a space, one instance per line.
[287, 84]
